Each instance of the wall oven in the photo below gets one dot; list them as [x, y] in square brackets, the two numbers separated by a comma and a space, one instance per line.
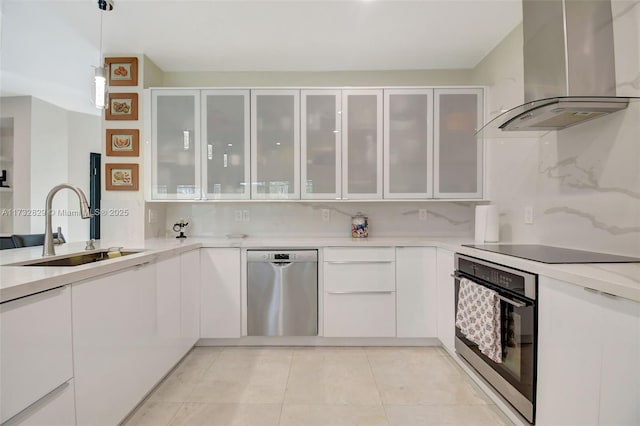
[512, 370]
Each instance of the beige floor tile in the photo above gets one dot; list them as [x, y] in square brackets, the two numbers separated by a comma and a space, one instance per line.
[152, 413]
[197, 414]
[330, 377]
[200, 357]
[177, 386]
[333, 415]
[277, 353]
[256, 378]
[425, 364]
[462, 415]
[416, 392]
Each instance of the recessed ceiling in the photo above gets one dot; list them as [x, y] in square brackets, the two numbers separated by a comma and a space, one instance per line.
[309, 35]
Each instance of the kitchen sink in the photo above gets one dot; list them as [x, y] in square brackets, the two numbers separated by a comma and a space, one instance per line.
[77, 258]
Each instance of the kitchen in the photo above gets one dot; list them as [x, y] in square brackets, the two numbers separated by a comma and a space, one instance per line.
[577, 186]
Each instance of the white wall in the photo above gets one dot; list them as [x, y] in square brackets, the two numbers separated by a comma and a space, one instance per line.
[583, 182]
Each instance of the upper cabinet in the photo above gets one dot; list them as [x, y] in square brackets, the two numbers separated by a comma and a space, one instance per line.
[362, 144]
[225, 151]
[458, 151]
[316, 144]
[175, 135]
[275, 144]
[408, 143]
[321, 144]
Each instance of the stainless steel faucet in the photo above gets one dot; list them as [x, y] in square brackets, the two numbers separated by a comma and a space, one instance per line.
[48, 248]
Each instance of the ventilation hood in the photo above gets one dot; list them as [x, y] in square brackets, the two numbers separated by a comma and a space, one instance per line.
[569, 66]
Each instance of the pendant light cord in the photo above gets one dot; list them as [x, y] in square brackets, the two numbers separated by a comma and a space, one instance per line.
[100, 61]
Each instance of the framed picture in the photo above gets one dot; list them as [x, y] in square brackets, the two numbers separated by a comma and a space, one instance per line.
[122, 71]
[121, 176]
[123, 142]
[122, 106]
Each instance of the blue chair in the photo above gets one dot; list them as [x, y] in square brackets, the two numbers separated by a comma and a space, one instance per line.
[30, 240]
[6, 243]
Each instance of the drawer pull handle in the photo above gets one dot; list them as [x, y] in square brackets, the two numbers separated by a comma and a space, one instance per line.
[362, 292]
[356, 262]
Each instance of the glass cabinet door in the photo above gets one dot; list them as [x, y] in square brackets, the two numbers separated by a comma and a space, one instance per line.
[225, 147]
[175, 135]
[275, 144]
[321, 144]
[361, 144]
[458, 151]
[408, 143]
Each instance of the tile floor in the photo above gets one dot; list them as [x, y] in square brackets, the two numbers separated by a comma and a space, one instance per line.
[317, 387]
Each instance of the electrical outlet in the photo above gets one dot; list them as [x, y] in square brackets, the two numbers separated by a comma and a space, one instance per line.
[528, 215]
[422, 215]
[326, 215]
[237, 215]
[153, 216]
[245, 216]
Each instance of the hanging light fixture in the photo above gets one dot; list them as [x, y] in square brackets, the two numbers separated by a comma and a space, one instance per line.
[100, 72]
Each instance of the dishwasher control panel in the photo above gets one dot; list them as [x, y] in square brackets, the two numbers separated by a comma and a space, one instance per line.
[282, 256]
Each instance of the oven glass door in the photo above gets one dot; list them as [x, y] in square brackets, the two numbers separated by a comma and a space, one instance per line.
[518, 337]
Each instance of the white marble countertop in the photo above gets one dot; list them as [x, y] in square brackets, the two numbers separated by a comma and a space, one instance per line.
[621, 279]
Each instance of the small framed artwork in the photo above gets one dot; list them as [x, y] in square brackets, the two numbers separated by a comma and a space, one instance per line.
[122, 106]
[122, 71]
[123, 142]
[121, 176]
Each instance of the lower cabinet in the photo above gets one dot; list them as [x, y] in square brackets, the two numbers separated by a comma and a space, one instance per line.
[190, 299]
[115, 323]
[169, 322]
[57, 408]
[35, 353]
[416, 298]
[446, 298]
[588, 358]
[220, 313]
[359, 292]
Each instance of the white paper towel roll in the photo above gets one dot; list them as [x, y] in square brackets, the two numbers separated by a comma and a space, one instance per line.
[487, 224]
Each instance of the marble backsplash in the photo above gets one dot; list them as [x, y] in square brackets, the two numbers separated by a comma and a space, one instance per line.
[582, 182]
[305, 219]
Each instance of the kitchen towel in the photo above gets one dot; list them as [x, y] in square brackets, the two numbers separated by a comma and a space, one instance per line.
[487, 224]
[478, 318]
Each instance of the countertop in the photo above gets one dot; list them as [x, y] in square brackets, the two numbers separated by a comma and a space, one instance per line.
[18, 281]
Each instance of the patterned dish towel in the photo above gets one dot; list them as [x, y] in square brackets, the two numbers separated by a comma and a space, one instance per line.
[478, 317]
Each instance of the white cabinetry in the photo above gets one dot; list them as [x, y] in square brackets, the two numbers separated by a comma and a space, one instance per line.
[446, 299]
[458, 151]
[225, 147]
[275, 144]
[589, 347]
[35, 350]
[359, 292]
[115, 325]
[220, 298]
[408, 143]
[55, 409]
[168, 295]
[321, 144]
[362, 144]
[190, 298]
[175, 144]
[416, 299]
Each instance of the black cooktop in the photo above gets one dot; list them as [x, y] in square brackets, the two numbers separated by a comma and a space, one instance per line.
[549, 254]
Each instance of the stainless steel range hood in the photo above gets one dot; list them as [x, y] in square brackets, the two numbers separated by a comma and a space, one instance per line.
[569, 65]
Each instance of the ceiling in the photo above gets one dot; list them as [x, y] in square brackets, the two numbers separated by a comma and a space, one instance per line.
[306, 35]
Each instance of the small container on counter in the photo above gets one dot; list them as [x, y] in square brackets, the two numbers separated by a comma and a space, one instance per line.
[359, 226]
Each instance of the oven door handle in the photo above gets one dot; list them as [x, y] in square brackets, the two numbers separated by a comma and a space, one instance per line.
[515, 303]
[512, 302]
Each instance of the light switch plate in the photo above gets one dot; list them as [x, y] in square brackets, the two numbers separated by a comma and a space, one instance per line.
[326, 215]
[422, 215]
[245, 216]
[528, 215]
[237, 215]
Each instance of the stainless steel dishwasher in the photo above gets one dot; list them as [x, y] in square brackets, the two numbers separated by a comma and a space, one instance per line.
[282, 293]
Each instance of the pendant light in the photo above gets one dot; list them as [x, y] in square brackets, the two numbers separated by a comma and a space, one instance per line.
[100, 72]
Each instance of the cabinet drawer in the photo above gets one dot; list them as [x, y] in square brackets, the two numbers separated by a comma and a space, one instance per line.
[350, 254]
[360, 314]
[378, 275]
[55, 409]
[35, 348]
